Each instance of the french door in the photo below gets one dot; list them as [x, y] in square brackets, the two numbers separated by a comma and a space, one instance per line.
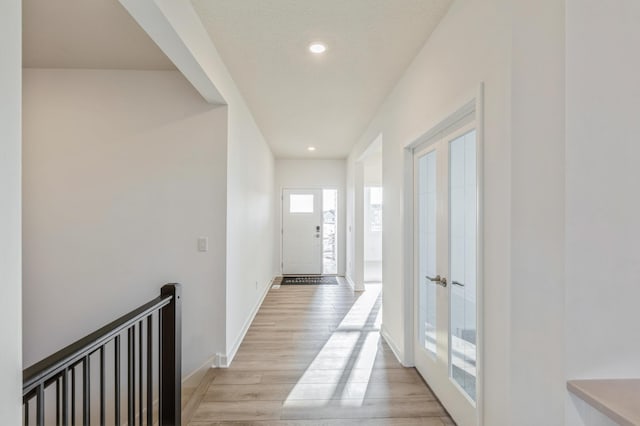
[445, 274]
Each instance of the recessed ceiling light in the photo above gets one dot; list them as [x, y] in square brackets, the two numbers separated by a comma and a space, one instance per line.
[317, 48]
[311, 148]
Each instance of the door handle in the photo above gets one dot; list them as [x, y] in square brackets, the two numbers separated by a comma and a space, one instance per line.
[438, 280]
[457, 283]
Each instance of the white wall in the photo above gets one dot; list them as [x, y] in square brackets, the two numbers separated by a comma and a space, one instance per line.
[372, 172]
[327, 174]
[10, 233]
[602, 203]
[123, 171]
[176, 28]
[501, 44]
[537, 82]
[471, 45]
[250, 213]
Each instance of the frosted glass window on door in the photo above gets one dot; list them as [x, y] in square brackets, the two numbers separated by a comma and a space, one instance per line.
[462, 245]
[427, 250]
[301, 203]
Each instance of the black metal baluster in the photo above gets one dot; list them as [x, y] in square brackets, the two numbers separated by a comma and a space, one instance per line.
[26, 413]
[116, 351]
[131, 379]
[86, 391]
[102, 387]
[58, 401]
[73, 395]
[65, 413]
[150, 370]
[160, 378]
[40, 405]
[140, 371]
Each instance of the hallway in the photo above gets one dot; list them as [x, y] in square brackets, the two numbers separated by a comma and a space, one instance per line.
[314, 355]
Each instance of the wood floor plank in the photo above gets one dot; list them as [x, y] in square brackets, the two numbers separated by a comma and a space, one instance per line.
[314, 356]
[415, 421]
[386, 376]
[367, 409]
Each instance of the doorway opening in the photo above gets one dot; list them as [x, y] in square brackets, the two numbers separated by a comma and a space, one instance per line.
[373, 234]
[365, 254]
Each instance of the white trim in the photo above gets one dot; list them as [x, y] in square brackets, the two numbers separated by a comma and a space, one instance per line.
[394, 347]
[224, 361]
[352, 284]
[175, 27]
[461, 117]
[220, 361]
[358, 225]
[193, 379]
[408, 274]
[480, 254]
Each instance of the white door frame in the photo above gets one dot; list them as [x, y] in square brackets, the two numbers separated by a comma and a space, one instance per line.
[472, 111]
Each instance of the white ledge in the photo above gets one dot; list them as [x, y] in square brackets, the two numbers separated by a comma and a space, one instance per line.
[618, 399]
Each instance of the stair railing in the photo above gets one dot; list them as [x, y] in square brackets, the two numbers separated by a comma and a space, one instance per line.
[153, 372]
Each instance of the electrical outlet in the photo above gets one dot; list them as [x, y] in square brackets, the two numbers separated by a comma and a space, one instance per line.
[203, 244]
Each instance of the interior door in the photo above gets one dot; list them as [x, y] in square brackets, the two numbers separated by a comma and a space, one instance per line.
[445, 251]
[302, 231]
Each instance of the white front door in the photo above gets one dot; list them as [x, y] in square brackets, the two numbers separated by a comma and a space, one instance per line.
[302, 231]
[445, 224]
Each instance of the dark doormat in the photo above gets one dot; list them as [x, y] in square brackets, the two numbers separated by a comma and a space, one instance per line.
[309, 280]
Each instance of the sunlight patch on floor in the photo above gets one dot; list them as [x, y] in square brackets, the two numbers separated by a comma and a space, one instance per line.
[351, 351]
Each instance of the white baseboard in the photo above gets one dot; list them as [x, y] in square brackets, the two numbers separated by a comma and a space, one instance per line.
[394, 347]
[352, 284]
[224, 361]
[194, 378]
[220, 361]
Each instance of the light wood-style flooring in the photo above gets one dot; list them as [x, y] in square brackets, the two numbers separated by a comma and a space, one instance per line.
[314, 356]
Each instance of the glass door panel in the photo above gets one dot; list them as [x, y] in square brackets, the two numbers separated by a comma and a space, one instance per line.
[463, 217]
[427, 251]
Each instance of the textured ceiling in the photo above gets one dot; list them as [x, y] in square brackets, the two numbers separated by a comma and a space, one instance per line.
[299, 99]
[86, 34]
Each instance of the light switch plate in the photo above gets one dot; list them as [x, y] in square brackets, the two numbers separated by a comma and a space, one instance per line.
[203, 244]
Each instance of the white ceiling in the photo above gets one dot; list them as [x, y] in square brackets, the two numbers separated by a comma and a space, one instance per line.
[86, 34]
[299, 99]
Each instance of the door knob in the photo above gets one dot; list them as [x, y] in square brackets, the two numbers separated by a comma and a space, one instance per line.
[438, 280]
